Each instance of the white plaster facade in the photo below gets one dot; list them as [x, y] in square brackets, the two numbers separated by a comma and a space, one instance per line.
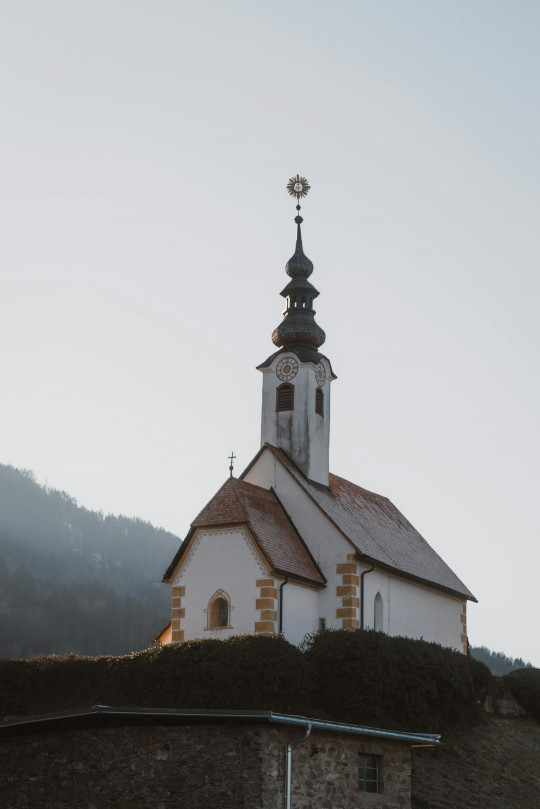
[301, 432]
[219, 560]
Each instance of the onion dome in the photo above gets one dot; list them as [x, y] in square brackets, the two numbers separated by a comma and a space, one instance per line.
[299, 265]
[298, 328]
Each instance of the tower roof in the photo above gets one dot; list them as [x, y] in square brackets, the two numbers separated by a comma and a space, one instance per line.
[298, 329]
[299, 265]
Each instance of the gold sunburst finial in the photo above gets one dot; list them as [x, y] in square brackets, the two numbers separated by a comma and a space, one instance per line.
[298, 186]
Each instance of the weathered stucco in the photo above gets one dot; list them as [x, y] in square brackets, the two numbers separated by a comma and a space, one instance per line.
[302, 433]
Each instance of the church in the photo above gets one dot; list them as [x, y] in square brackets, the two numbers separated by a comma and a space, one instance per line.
[289, 547]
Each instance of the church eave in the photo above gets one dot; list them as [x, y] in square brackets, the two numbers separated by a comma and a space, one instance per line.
[403, 574]
[171, 570]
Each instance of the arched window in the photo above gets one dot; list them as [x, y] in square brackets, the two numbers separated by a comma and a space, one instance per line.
[378, 618]
[219, 611]
[285, 397]
[319, 401]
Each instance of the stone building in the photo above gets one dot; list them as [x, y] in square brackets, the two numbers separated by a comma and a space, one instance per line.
[289, 547]
[128, 758]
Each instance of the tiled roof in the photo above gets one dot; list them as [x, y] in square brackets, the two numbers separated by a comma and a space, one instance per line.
[239, 502]
[377, 528]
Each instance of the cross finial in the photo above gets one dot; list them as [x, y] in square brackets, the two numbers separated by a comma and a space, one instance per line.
[298, 187]
[232, 456]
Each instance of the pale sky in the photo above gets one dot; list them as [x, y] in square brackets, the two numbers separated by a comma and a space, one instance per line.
[145, 226]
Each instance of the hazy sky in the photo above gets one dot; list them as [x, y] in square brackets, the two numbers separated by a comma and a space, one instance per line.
[145, 226]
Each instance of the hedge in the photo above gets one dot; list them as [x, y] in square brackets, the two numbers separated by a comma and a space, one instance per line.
[524, 685]
[367, 677]
[361, 677]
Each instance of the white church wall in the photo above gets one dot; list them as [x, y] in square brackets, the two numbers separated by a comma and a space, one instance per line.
[224, 560]
[413, 610]
[302, 433]
[300, 612]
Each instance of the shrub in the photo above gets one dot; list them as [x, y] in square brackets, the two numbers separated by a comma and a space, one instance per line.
[252, 672]
[366, 677]
[524, 685]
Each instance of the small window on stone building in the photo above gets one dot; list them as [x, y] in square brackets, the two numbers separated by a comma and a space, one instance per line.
[322, 624]
[369, 773]
[285, 397]
[319, 401]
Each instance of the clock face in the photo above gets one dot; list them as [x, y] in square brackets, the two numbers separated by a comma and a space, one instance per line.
[287, 368]
[320, 374]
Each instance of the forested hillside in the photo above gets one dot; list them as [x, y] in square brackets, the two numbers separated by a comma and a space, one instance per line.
[497, 662]
[73, 580]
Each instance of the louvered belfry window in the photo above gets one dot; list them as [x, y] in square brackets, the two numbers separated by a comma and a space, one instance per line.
[319, 402]
[285, 397]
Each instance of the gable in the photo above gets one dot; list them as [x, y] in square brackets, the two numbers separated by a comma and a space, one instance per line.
[244, 504]
[220, 549]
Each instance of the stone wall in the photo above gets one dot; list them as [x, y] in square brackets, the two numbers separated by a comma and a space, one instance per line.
[225, 766]
[325, 773]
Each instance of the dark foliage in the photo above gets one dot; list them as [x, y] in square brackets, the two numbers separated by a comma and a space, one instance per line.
[251, 672]
[72, 580]
[497, 662]
[359, 677]
[367, 677]
[524, 685]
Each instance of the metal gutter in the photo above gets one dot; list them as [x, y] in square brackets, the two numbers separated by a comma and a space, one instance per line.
[430, 739]
[342, 727]
[289, 764]
[364, 573]
[281, 586]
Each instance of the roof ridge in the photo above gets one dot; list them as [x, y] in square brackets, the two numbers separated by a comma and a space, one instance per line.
[298, 534]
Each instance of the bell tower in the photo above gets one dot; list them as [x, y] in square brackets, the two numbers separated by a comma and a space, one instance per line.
[297, 378]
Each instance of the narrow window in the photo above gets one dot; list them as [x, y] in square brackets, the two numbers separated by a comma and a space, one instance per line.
[223, 614]
[219, 611]
[319, 401]
[322, 624]
[285, 397]
[369, 773]
[378, 617]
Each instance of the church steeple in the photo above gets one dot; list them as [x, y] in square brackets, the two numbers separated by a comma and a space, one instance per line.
[296, 382]
[298, 327]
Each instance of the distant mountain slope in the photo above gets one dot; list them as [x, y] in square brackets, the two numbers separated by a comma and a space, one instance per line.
[497, 662]
[73, 580]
